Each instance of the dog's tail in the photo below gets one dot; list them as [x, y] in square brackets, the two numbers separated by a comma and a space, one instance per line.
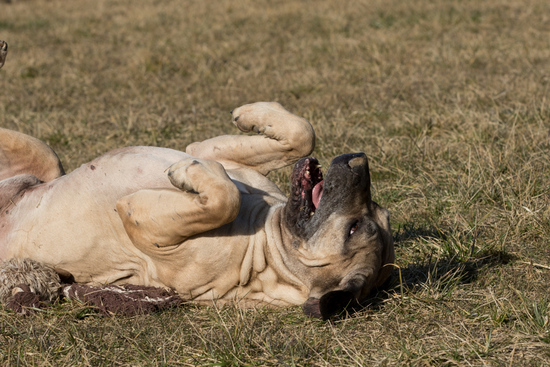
[23, 154]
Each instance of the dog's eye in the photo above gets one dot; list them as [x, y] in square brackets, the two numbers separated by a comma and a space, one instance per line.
[353, 228]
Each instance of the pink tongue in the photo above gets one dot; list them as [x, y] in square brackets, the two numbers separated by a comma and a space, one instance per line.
[317, 193]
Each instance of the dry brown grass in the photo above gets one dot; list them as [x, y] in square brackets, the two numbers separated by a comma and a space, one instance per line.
[450, 100]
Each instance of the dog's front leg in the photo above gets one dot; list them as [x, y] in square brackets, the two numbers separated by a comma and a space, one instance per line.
[204, 198]
[284, 139]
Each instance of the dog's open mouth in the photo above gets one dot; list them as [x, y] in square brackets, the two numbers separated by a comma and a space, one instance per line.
[307, 186]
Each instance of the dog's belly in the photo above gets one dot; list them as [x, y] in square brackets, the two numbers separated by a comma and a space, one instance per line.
[72, 223]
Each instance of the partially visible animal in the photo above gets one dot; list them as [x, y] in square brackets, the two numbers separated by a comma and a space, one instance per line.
[3, 52]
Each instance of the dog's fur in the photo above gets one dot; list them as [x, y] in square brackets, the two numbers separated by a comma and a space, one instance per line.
[206, 223]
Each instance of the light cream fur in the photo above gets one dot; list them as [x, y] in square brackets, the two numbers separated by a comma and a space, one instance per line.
[23, 154]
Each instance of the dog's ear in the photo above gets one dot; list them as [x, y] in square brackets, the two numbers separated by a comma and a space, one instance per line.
[311, 307]
[337, 301]
[329, 305]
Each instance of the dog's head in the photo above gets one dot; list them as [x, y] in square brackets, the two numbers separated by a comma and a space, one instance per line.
[341, 239]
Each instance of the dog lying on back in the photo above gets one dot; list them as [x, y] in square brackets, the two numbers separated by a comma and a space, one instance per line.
[206, 222]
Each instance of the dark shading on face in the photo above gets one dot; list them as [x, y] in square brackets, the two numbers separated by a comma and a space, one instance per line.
[338, 225]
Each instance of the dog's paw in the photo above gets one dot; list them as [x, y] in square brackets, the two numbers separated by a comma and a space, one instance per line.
[258, 117]
[187, 174]
[179, 176]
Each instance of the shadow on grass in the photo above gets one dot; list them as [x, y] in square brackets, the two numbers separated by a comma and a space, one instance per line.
[438, 274]
[461, 253]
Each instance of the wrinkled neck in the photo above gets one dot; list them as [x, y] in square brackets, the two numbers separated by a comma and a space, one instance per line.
[278, 243]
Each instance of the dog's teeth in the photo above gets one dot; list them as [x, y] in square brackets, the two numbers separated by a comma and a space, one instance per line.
[311, 214]
[307, 175]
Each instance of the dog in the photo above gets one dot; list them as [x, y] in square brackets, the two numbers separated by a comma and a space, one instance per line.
[206, 223]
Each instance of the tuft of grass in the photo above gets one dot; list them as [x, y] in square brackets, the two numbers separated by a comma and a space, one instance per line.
[449, 99]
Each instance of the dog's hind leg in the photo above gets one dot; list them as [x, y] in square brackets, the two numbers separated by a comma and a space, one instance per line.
[204, 198]
[284, 139]
[12, 187]
[23, 154]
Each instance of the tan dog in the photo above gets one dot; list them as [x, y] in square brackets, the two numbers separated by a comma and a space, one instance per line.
[206, 223]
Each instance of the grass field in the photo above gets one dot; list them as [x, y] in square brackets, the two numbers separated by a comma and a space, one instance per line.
[449, 99]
